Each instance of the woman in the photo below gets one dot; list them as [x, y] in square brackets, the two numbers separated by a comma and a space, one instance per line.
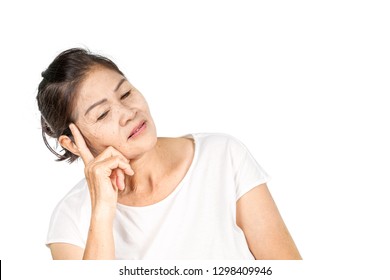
[201, 196]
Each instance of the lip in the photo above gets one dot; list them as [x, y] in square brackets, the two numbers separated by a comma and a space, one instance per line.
[137, 130]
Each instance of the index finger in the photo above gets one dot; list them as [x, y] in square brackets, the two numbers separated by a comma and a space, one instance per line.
[84, 151]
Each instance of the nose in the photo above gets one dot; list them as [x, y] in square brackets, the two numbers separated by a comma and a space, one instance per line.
[126, 114]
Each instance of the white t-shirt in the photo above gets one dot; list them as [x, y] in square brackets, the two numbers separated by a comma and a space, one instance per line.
[196, 221]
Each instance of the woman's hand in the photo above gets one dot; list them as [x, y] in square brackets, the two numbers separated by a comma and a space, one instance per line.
[105, 174]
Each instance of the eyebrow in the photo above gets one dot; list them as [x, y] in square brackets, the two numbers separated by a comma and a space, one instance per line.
[105, 99]
[94, 105]
[119, 84]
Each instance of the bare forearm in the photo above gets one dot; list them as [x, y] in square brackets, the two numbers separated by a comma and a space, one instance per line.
[100, 243]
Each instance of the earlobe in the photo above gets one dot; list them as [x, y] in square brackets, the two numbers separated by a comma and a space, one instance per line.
[68, 144]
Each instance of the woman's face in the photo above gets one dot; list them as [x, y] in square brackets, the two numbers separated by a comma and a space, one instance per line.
[109, 111]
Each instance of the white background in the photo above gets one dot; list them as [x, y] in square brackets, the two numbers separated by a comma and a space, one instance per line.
[304, 84]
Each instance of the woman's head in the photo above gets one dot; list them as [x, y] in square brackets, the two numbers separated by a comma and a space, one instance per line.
[89, 90]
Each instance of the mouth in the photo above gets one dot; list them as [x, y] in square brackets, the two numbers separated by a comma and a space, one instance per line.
[138, 129]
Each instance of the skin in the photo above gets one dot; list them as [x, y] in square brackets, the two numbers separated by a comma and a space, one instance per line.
[143, 170]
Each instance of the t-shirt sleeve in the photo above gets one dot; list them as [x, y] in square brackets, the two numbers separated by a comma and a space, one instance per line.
[68, 222]
[248, 173]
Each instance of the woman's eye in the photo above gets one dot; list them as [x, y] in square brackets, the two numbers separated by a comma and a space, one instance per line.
[125, 95]
[102, 116]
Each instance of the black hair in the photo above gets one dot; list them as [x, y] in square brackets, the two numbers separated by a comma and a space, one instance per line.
[58, 90]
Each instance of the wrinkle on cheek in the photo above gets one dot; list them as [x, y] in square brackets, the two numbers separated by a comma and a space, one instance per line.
[90, 134]
[104, 136]
[101, 135]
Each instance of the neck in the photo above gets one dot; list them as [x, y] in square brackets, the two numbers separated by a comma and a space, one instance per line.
[148, 168]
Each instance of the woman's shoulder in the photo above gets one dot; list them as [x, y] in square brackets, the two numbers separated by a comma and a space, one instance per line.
[212, 136]
[76, 197]
[203, 140]
[70, 219]
[217, 139]
[218, 145]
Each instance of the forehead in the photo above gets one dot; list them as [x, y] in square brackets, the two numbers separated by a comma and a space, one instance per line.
[99, 81]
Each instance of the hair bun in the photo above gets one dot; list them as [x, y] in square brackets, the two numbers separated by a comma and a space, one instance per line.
[43, 74]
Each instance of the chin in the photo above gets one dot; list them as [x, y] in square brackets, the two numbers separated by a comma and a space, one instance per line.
[143, 144]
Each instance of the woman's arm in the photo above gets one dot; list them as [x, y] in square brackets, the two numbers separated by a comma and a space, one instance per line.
[100, 241]
[263, 226]
[105, 175]
[65, 251]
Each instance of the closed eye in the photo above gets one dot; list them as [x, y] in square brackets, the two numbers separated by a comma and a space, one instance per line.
[126, 95]
[102, 116]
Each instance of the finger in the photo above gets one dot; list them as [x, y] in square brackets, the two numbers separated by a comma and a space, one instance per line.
[108, 166]
[84, 151]
[111, 152]
[123, 168]
[120, 179]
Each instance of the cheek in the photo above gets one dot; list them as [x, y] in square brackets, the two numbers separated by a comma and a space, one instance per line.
[101, 137]
[97, 136]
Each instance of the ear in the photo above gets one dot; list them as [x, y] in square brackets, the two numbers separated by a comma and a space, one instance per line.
[68, 144]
